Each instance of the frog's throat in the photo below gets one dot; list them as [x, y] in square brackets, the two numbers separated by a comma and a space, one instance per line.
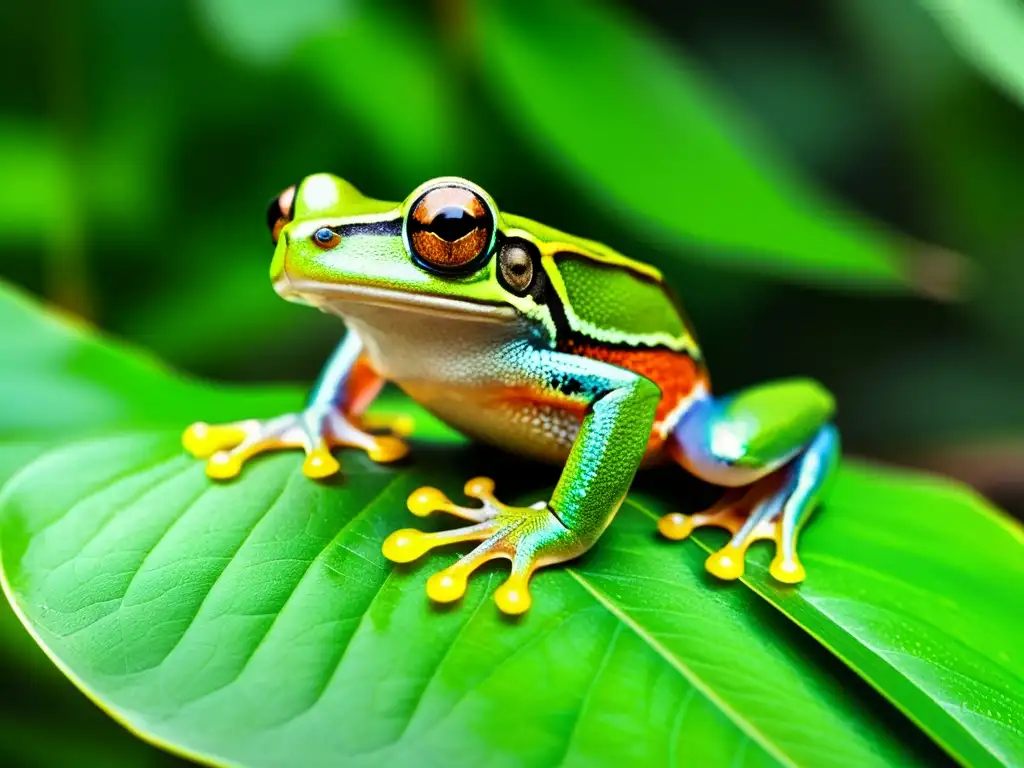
[335, 297]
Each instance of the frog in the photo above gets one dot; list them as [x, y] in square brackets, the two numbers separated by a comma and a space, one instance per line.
[550, 346]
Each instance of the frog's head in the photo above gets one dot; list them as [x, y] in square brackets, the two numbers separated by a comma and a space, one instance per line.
[444, 250]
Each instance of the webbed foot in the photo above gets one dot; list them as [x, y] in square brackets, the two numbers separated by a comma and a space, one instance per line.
[750, 514]
[316, 430]
[530, 537]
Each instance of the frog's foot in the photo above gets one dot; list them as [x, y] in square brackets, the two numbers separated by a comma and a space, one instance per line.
[531, 537]
[316, 430]
[750, 514]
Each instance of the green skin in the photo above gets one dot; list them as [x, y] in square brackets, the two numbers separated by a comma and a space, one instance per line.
[491, 357]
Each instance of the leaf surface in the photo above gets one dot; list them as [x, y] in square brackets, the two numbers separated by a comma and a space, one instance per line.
[171, 599]
[257, 623]
[919, 585]
[62, 382]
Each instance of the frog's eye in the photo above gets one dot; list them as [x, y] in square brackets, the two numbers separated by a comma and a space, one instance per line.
[515, 265]
[326, 238]
[280, 212]
[449, 228]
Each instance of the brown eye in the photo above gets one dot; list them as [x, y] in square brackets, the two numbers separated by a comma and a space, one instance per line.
[516, 264]
[280, 212]
[449, 227]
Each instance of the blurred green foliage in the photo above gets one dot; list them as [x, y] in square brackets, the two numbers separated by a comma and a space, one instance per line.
[785, 165]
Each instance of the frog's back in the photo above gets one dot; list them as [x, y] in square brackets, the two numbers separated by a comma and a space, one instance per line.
[615, 309]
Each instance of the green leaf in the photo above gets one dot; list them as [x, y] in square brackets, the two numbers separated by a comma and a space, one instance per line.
[50, 369]
[650, 140]
[61, 382]
[989, 34]
[257, 623]
[87, 385]
[918, 584]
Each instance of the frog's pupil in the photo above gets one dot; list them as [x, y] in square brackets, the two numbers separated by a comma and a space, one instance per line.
[452, 222]
[324, 235]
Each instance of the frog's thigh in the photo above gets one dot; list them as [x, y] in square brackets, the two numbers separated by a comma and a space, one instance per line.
[740, 438]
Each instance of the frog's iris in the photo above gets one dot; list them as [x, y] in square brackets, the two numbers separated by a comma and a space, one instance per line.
[449, 228]
[326, 237]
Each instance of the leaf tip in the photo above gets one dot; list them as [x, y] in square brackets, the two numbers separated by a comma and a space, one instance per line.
[940, 273]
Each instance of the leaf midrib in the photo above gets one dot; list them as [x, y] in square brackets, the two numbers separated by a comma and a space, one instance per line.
[691, 677]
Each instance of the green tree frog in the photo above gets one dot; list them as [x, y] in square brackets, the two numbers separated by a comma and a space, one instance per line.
[542, 343]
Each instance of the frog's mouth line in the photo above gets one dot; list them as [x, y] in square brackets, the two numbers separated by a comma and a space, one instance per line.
[334, 297]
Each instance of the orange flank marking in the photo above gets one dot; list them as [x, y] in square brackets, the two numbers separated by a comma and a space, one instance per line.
[536, 396]
[362, 386]
[675, 373]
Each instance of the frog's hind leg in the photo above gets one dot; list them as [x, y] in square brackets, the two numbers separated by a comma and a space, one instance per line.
[775, 445]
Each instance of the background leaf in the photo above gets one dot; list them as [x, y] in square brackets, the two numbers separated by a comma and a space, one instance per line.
[267, 31]
[33, 153]
[990, 34]
[613, 119]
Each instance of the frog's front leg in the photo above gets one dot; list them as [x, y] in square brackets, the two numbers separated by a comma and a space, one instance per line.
[618, 409]
[346, 387]
[774, 446]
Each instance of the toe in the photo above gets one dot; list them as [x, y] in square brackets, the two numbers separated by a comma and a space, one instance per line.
[224, 465]
[480, 488]
[788, 571]
[675, 526]
[513, 597]
[426, 500]
[340, 432]
[320, 463]
[447, 586]
[203, 440]
[726, 563]
[387, 449]
[401, 424]
[405, 545]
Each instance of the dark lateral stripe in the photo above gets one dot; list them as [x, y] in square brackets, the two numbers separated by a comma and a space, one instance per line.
[391, 227]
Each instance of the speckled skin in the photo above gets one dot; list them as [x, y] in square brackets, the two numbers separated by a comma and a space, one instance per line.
[547, 345]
